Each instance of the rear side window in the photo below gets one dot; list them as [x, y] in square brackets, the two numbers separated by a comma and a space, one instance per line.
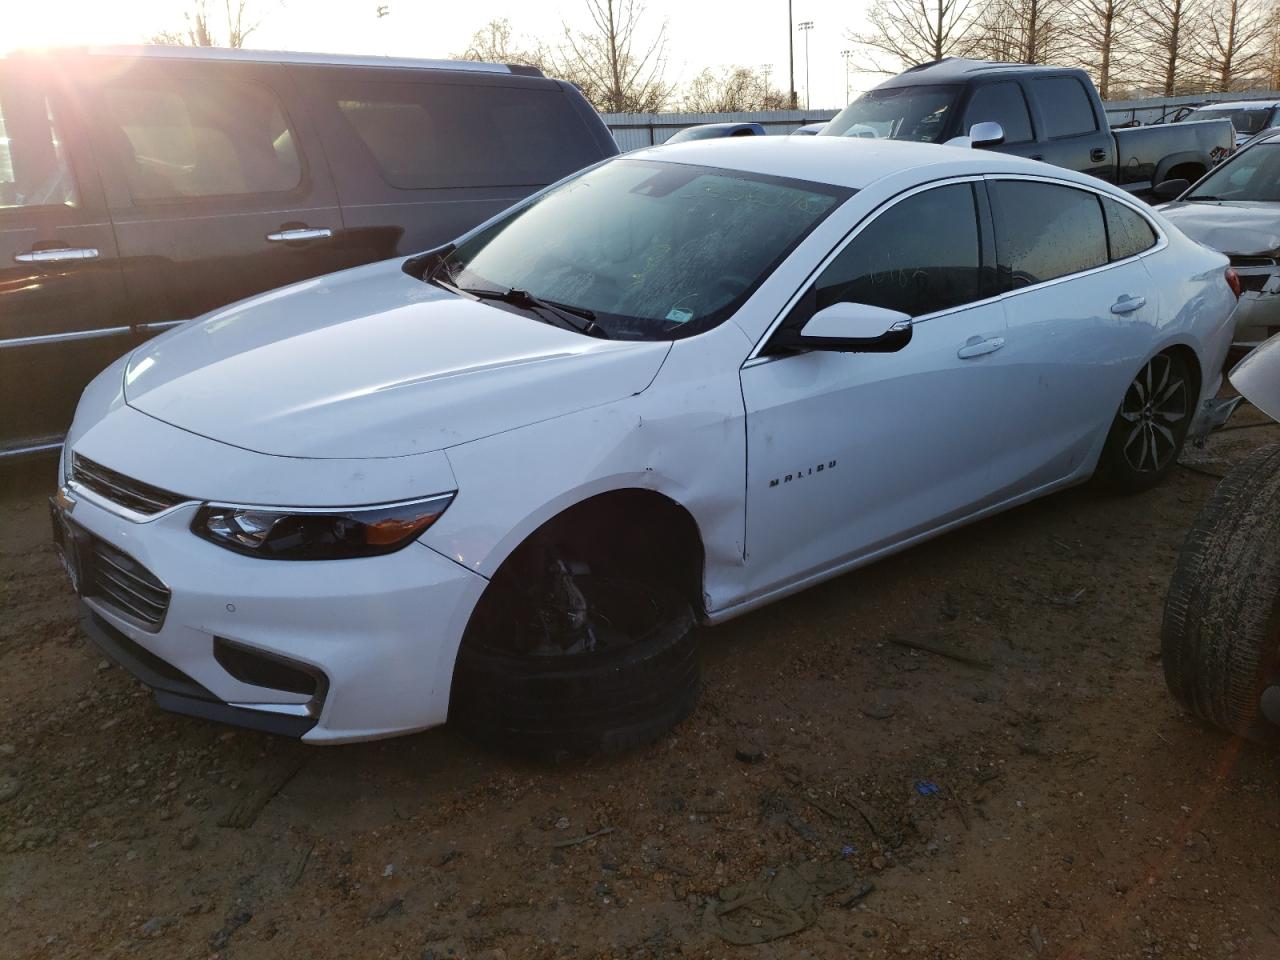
[919, 256]
[1065, 106]
[1003, 103]
[452, 135]
[188, 139]
[1128, 232]
[1045, 231]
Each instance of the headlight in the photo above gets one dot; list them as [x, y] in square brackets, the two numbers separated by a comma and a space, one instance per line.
[318, 533]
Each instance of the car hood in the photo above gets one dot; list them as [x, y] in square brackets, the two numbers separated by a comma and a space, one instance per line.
[1241, 227]
[371, 362]
[1257, 377]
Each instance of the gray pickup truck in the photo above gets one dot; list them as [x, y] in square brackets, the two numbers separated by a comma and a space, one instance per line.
[1052, 114]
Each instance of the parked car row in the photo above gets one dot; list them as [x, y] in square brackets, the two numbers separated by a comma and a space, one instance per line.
[141, 188]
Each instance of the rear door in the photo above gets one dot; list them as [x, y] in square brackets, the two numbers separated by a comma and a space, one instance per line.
[1072, 134]
[62, 310]
[217, 187]
[421, 156]
[1082, 311]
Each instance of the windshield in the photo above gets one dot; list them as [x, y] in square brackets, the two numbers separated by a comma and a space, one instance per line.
[1252, 174]
[1245, 121]
[896, 113]
[654, 250]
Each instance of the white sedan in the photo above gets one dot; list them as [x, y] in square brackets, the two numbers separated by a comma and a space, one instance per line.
[501, 481]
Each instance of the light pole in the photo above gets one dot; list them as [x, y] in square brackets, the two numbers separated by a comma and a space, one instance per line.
[806, 26]
[847, 54]
[791, 56]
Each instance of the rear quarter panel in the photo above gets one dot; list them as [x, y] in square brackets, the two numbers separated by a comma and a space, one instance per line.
[1147, 154]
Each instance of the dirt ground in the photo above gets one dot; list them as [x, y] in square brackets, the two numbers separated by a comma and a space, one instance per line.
[1042, 798]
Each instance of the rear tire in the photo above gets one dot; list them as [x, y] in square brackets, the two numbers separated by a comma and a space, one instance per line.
[1220, 639]
[1151, 425]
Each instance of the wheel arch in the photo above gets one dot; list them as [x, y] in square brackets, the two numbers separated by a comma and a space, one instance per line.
[1193, 166]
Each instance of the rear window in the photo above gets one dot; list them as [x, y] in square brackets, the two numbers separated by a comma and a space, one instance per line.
[1045, 231]
[424, 135]
[190, 139]
[1064, 106]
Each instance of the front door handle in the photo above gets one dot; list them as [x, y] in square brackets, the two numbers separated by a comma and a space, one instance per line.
[57, 255]
[295, 234]
[1128, 304]
[979, 347]
[1098, 155]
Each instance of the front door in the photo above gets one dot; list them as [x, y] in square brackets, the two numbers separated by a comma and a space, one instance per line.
[62, 313]
[218, 190]
[849, 454]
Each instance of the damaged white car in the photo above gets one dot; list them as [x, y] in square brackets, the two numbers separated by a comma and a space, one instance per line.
[501, 482]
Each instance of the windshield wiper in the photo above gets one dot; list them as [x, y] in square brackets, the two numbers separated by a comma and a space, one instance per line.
[1203, 196]
[574, 318]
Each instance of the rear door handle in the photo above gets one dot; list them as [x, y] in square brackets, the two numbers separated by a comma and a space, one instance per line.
[295, 234]
[1128, 304]
[978, 347]
[57, 255]
[1098, 155]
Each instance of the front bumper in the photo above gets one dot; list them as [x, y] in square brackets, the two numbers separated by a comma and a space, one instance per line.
[380, 634]
[1258, 312]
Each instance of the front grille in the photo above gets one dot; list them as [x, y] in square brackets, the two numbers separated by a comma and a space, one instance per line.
[1237, 261]
[131, 494]
[121, 582]
[1253, 282]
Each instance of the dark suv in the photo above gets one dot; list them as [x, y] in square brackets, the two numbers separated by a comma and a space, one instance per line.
[142, 187]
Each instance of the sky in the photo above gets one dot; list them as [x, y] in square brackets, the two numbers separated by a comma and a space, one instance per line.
[701, 33]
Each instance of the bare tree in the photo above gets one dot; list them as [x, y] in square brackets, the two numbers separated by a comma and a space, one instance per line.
[496, 42]
[1100, 36]
[617, 69]
[1019, 31]
[1167, 29]
[732, 90]
[240, 22]
[910, 32]
[1231, 48]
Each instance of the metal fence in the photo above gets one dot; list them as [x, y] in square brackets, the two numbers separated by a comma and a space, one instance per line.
[636, 130]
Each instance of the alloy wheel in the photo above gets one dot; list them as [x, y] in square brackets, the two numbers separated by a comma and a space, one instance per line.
[1154, 407]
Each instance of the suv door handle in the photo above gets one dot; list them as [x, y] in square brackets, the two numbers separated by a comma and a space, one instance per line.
[1128, 304]
[57, 255]
[978, 347]
[1097, 155]
[294, 234]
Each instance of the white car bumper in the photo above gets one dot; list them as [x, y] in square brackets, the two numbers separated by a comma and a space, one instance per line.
[377, 636]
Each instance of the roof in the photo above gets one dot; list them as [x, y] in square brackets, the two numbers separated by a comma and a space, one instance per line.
[1238, 105]
[844, 161]
[960, 69]
[173, 52]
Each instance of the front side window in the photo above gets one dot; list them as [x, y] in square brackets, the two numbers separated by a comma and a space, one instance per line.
[188, 139]
[655, 250]
[1044, 231]
[1004, 104]
[33, 160]
[919, 256]
[425, 135]
[1252, 174]
[1129, 233]
[897, 113]
[1065, 106]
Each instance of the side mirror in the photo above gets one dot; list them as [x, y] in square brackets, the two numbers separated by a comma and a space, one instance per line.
[1171, 189]
[852, 328]
[986, 134]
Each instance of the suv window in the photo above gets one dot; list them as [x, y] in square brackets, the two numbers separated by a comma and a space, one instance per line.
[1003, 103]
[452, 135]
[1065, 106]
[1045, 231]
[919, 256]
[33, 162]
[1128, 232]
[189, 139]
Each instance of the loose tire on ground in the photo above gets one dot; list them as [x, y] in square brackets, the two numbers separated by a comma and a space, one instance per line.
[572, 707]
[1220, 639]
[1151, 425]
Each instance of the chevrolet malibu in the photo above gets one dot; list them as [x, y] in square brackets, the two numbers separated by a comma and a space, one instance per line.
[502, 481]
